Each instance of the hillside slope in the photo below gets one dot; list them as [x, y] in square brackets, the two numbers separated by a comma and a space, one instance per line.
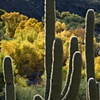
[35, 8]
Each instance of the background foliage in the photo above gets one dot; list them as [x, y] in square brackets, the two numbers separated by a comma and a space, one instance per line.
[22, 38]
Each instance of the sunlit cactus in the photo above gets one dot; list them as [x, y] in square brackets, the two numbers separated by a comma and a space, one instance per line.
[8, 78]
[49, 37]
[73, 48]
[56, 73]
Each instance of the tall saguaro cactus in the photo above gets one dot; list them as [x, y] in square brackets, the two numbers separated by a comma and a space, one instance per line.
[49, 37]
[8, 78]
[89, 44]
[89, 33]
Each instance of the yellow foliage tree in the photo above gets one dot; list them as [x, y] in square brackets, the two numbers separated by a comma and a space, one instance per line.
[59, 26]
[12, 20]
[39, 46]
[97, 67]
[28, 29]
[79, 32]
[8, 47]
[25, 56]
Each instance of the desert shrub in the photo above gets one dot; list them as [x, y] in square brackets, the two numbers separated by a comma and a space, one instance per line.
[27, 93]
[2, 12]
[1, 74]
[82, 90]
[72, 20]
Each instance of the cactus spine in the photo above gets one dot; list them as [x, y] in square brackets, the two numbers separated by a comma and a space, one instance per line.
[73, 48]
[56, 74]
[8, 78]
[49, 37]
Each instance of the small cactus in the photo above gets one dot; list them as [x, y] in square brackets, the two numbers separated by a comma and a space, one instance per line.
[37, 97]
[8, 78]
[92, 89]
[8, 73]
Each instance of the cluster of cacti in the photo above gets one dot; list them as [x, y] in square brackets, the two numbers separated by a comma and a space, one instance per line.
[8, 79]
[54, 63]
[56, 72]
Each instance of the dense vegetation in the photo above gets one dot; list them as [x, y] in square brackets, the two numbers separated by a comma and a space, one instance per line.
[22, 38]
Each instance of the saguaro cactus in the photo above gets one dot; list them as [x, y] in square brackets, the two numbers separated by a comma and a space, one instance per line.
[89, 44]
[89, 33]
[73, 48]
[8, 78]
[49, 37]
[92, 89]
[56, 73]
[37, 97]
[75, 78]
[97, 84]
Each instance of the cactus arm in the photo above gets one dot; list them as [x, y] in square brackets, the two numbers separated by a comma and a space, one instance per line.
[92, 89]
[73, 48]
[75, 77]
[56, 74]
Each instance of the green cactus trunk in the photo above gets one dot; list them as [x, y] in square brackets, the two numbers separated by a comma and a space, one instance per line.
[75, 77]
[97, 84]
[49, 37]
[89, 44]
[56, 74]
[9, 92]
[73, 48]
[89, 24]
[8, 78]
